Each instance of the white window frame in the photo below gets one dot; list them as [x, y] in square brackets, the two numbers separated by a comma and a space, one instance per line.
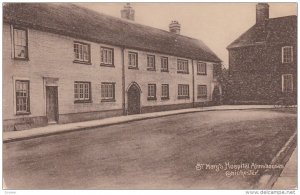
[82, 52]
[23, 42]
[108, 91]
[151, 62]
[151, 91]
[199, 64]
[165, 91]
[183, 91]
[182, 66]
[27, 111]
[132, 59]
[287, 60]
[164, 64]
[199, 90]
[107, 56]
[283, 84]
[82, 91]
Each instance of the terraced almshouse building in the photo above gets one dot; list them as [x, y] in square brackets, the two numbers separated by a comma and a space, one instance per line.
[64, 63]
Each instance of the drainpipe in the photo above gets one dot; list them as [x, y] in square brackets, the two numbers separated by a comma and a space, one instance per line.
[123, 81]
[193, 83]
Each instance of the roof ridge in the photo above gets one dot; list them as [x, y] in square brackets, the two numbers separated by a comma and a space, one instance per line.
[133, 22]
[253, 35]
[71, 20]
[282, 17]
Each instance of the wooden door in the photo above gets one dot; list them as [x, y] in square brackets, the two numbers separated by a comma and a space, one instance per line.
[51, 104]
[133, 95]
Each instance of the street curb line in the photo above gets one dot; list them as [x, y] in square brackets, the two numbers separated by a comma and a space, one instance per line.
[7, 140]
[267, 180]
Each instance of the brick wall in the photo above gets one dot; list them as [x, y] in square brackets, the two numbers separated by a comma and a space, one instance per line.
[256, 72]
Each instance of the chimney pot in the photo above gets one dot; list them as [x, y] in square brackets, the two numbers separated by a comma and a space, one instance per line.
[127, 12]
[174, 27]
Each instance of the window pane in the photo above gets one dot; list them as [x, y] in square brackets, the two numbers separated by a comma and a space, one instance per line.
[82, 91]
[20, 43]
[109, 57]
[202, 90]
[151, 90]
[287, 54]
[182, 65]
[81, 52]
[132, 59]
[102, 55]
[22, 91]
[165, 90]
[287, 83]
[150, 61]
[107, 91]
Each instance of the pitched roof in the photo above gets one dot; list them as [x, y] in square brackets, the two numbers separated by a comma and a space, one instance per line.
[79, 22]
[276, 31]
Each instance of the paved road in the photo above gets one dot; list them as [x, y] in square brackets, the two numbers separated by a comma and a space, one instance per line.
[156, 153]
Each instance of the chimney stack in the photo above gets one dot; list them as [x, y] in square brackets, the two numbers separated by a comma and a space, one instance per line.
[262, 13]
[174, 27]
[127, 12]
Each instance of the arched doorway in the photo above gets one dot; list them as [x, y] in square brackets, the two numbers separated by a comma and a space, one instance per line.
[134, 99]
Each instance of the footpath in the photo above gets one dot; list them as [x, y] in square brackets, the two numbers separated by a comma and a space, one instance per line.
[288, 177]
[63, 128]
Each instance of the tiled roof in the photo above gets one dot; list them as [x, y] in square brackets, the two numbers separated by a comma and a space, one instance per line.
[276, 31]
[75, 21]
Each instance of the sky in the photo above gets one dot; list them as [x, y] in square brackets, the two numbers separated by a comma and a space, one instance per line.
[216, 24]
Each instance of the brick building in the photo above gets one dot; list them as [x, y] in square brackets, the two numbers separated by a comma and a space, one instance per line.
[63, 63]
[263, 60]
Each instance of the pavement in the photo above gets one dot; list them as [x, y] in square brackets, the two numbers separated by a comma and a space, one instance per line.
[63, 128]
[288, 177]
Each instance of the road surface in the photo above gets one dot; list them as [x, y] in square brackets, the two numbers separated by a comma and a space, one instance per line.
[160, 153]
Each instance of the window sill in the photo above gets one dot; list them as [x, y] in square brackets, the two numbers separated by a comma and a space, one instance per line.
[82, 101]
[151, 69]
[183, 97]
[165, 98]
[134, 68]
[164, 70]
[21, 59]
[82, 62]
[151, 98]
[108, 100]
[204, 74]
[23, 113]
[181, 72]
[107, 65]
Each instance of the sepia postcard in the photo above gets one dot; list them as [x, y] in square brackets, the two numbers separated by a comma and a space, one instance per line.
[143, 96]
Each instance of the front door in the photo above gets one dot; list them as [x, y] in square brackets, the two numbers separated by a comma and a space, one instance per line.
[133, 100]
[51, 104]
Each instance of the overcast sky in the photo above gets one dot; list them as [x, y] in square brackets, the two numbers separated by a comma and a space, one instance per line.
[216, 24]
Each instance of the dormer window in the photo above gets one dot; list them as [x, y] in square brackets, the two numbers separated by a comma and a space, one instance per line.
[287, 54]
[20, 43]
